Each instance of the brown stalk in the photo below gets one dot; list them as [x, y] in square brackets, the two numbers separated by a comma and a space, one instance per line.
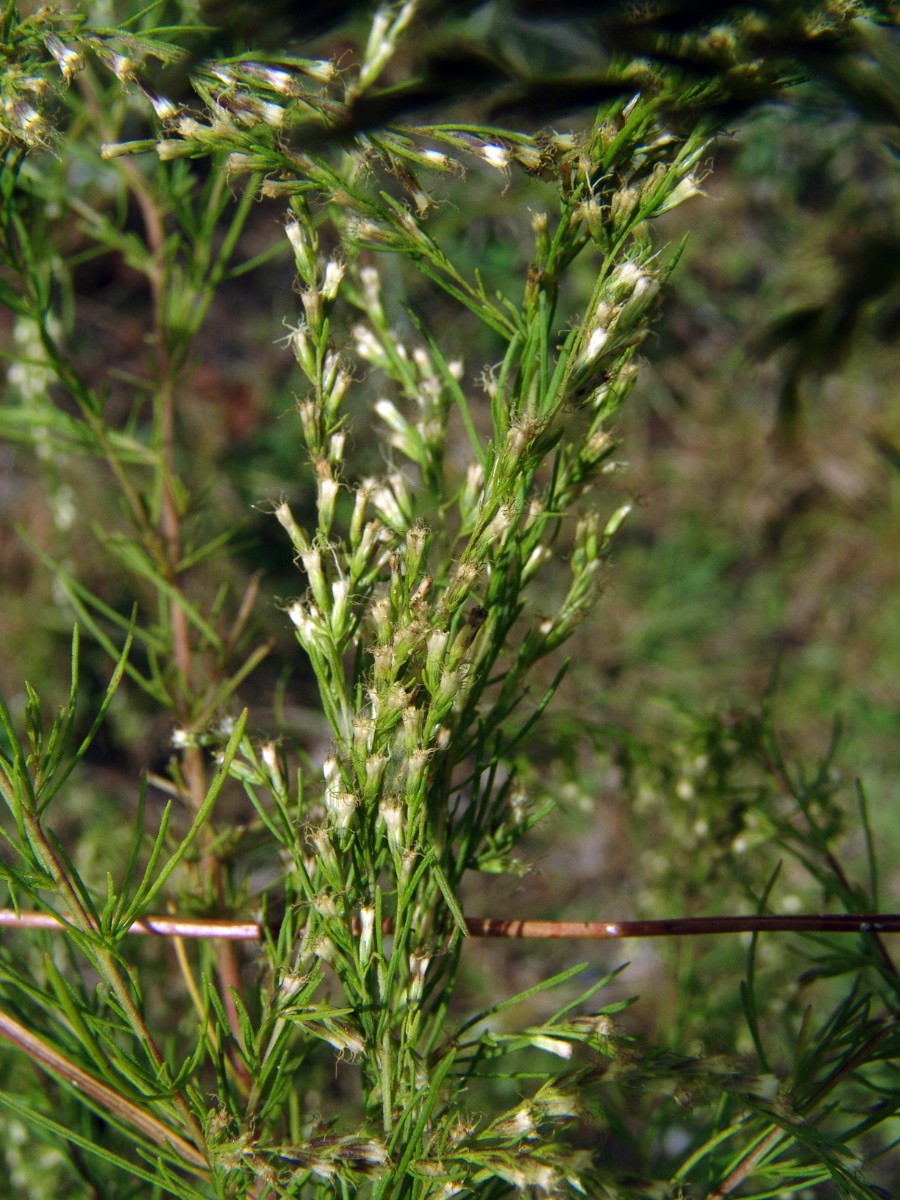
[57, 1064]
[500, 927]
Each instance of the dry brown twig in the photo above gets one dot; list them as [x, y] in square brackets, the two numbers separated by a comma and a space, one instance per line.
[501, 927]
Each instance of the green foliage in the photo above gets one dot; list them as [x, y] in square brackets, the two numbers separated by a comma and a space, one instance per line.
[336, 1062]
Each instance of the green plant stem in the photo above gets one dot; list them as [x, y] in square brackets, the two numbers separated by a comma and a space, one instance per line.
[105, 963]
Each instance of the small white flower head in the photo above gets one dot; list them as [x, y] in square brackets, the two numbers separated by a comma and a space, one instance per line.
[323, 848]
[325, 950]
[308, 623]
[223, 74]
[501, 523]
[423, 362]
[332, 776]
[393, 503]
[556, 1104]
[381, 611]
[520, 1125]
[336, 448]
[412, 717]
[376, 764]
[110, 150]
[70, 61]
[327, 495]
[345, 1040]
[300, 244]
[628, 274]
[464, 579]
[289, 985]
[36, 84]
[598, 446]
[371, 285]
[543, 1178]
[411, 225]
[473, 491]
[269, 754]
[562, 142]
[312, 564]
[321, 69]
[342, 809]
[418, 969]
[487, 381]
[312, 306]
[274, 189]
[520, 435]
[397, 698]
[239, 163]
[529, 156]
[552, 1045]
[684, 190]
[270, 113]
[391, 415]
[170, 148]
[416, 541]
[182, 740]
[363, 734]
[325, 905]
[308, 412]
[164, 109]
[366, 932]
[494, 155]
[189, 127]
[340, 595]
[436, 648]
[451, 686]
[391, 814]
[285, 518]
[334, 273]
[595, 343]
[436, 159]
[271, 77]
[416, 766]
[540, 555]
[366, 344]
[122, 67]
[365, 230]
[382, 657]
[591, 212]
[623, 204]
[539, 222]
[30, 125]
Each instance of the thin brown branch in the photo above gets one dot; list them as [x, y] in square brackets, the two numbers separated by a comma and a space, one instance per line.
[498, 927]
[57, 1064]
